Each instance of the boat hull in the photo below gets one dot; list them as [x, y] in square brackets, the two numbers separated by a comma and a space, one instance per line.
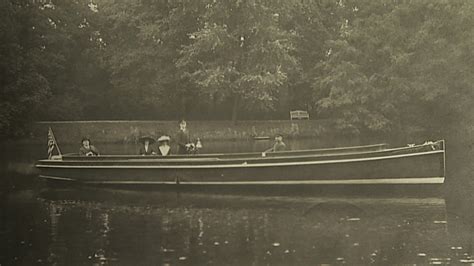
[413, 168]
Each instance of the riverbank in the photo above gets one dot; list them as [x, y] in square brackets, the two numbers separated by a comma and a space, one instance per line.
[130, 131]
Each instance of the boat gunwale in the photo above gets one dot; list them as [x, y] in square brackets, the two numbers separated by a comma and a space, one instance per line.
[166, 159]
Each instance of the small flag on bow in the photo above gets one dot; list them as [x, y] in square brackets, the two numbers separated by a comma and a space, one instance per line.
[52, 144]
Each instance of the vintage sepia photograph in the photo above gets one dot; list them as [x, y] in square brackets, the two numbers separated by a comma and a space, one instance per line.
[236, 132]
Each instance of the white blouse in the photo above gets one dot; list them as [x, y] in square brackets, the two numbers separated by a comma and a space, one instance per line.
[164, 149]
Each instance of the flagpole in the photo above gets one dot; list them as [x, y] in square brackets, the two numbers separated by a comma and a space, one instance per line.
[55, 142]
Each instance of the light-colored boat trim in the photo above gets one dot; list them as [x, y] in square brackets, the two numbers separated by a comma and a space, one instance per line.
[242, 165]
[375, 181]
[56, 178]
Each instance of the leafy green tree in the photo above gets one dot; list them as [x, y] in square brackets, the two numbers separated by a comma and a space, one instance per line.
[240, 53]
[142, 40]
[72, 45]
[50, 66]
[22, 81]
[395, 64]
[312, 23]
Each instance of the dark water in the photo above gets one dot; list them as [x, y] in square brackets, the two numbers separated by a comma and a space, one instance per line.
[93, 226]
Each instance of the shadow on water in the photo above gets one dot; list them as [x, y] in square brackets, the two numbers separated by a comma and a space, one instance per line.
[301, 226]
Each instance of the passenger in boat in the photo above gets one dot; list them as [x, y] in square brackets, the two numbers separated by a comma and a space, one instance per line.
[164, 148]
[182, 138]
[279, 144]
[87, 149]
[147, 148]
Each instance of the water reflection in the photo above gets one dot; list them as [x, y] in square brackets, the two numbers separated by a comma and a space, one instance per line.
[149, 228]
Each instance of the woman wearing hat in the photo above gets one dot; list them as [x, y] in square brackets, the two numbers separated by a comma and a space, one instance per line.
[147, 148]
[164, 148]
[87, 149]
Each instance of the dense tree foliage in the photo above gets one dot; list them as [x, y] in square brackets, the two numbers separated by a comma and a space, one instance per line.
[369, 65]
[22, 79]
[48, 62]
[398, 64]
[239, 52]
[143, 40]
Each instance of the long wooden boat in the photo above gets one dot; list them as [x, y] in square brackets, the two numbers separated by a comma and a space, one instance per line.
[362, 165]
[418, 164]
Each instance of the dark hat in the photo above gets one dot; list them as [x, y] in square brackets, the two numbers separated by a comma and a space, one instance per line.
[145, 138]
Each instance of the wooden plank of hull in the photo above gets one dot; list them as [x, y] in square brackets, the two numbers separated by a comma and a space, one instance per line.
[419, 168]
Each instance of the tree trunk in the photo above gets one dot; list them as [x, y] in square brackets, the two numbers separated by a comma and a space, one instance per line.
[235, 108]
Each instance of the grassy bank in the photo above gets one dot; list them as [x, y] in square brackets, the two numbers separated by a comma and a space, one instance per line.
[130, 131]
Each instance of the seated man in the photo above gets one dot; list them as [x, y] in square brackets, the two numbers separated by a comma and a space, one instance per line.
[87, 149]
[279, 144]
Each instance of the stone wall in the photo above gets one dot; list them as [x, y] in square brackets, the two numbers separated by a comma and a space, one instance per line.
[130, 131]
